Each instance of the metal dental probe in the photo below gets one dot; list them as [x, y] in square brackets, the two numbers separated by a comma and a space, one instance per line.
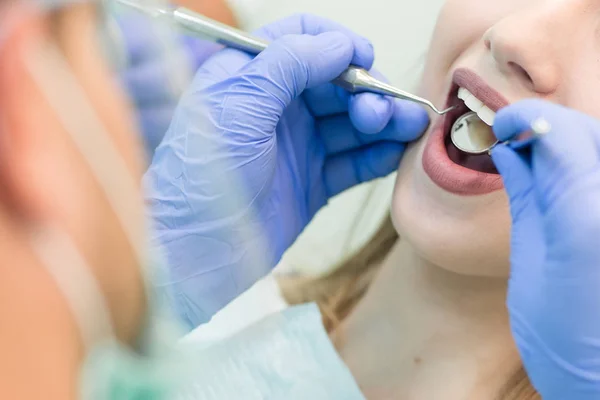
[354, 79]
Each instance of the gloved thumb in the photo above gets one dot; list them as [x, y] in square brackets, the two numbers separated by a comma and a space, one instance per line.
[518, 180]
[526, 237]
[295, 63]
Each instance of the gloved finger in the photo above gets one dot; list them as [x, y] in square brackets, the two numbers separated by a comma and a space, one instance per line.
[569, 150]
[331, 99]
[369, 114]
[339, 133]
[518, 180]
[525, 215]
[307, 24]
[289, 66]
[326, 100]
[369, 110]
[345, 170]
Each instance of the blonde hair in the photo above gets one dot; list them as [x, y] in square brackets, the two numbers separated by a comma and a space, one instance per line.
[339, 291]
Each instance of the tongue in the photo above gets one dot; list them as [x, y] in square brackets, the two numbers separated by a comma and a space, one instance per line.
[480, 162]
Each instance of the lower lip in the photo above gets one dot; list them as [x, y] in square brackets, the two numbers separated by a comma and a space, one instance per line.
[447, 174]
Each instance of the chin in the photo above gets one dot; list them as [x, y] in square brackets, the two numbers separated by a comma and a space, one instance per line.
[463, 233]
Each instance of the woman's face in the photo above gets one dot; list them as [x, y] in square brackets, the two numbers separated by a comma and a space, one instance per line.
[452, 208]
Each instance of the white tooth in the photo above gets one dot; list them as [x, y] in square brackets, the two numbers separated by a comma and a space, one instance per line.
[463, 93]
[486, 115]
[474, 103]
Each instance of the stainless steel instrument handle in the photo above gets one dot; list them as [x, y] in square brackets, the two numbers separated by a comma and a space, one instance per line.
[354, 79]
[220, 33]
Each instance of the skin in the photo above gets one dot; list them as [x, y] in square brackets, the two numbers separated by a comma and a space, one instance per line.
[446, 279]
[46, 182]
[519, 49]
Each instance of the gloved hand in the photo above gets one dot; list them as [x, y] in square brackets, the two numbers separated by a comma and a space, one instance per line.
[157, 72]
[554, 289]
[293, 139]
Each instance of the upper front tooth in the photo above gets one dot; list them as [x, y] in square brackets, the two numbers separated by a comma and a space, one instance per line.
[469, 99]
[476, 105]
[463, 93]
[473, 103]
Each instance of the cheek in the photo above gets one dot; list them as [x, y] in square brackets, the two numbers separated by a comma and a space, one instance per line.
[460, 25]
[466, 235]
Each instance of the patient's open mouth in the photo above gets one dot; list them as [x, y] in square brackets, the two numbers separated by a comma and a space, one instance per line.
[467, 103]
[446, 165]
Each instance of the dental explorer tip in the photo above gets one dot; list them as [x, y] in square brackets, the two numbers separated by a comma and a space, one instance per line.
[446, 111]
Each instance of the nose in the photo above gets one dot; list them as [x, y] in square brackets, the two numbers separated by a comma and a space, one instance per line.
[533, 43]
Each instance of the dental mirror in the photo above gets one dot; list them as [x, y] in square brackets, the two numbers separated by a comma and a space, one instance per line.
[471, 135]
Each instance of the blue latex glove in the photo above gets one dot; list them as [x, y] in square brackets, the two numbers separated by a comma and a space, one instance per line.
[148, 76]
[554, 289]
[294, 139]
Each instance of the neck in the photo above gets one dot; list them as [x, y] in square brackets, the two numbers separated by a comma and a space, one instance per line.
[426, 333]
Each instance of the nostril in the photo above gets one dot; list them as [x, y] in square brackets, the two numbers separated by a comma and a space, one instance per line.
[521, 72]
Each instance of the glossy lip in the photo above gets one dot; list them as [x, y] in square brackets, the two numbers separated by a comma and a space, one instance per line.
[436, 162]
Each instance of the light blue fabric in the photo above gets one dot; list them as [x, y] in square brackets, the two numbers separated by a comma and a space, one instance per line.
[554, 290]
[282, 139]
[153, 369]
[285, 356]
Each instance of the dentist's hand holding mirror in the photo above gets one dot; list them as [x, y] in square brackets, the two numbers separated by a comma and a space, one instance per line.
[554, 289]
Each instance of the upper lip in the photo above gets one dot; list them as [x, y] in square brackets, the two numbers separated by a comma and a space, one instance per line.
[476, 85]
